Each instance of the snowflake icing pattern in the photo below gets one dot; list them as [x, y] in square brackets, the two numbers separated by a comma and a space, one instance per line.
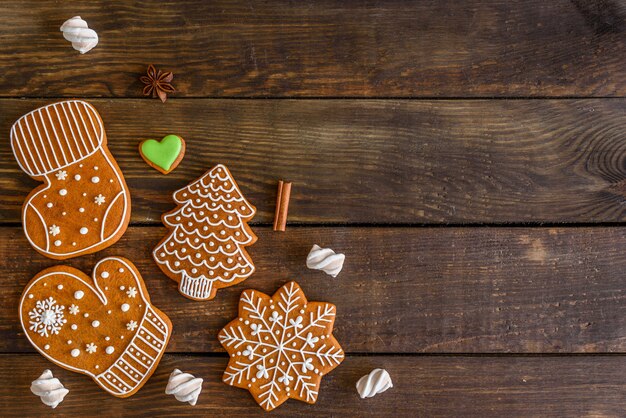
[47, 317]
[280, 347]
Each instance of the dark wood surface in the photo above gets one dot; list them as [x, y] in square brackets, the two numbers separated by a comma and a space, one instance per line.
[374, 162]
[469, 158]
[435, 48]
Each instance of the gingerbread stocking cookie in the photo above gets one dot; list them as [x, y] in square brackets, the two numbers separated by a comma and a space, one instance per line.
[84, 205]
[205, 250]
[104, 327]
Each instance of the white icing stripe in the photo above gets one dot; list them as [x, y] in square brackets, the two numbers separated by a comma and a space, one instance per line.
[106, 214]
[98, 134]
[56, 135]
[23, 159]
[126, 373]
[110, 371]
[130, 366]
[45, 226]
[203, 247]
[85, 127]
[80, 134]
[32, 158]
[49, 142]
[199, 288]
[204, 262]
[142, 352]
[42, 142]
[157, 339]
[65, 136]
[206, 219]
[212, 235]
[31, 138]
[149, 344]
[73, 136]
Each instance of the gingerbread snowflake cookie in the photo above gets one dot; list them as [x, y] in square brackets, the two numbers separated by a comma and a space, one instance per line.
[84, 204]
[104, 327]
[205, 249]
[280, 346]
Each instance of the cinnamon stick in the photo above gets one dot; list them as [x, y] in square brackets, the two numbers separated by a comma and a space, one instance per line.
[282, 205]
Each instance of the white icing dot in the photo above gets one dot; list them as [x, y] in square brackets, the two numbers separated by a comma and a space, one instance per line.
[107, 338]
[122, 287]
[81, 210]
[95, 179]
[60, 287]
[178, 218]
[162, 254]
[74, 244]
[95, 324]
[176, 263]
[64, 213]
[105, 274]
[121, 270]
[49, 204]
[80, 165]
[110, 349]
[74, 327]
[184, 250]
[110, 180]
[30, 296]
[69, 342]
[194, 270]
[75, 352]
[77, 177]
[95, 219]
[95, 167]
[125, 307]
[84, 230]
[97, 367]
[84, 194]
[57, 242]
[86, 315]
[46, 347]
[79, 294]
[212, 258]
[62, 192]
[198, 255]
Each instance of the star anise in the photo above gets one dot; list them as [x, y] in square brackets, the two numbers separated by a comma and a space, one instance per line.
[157, 83]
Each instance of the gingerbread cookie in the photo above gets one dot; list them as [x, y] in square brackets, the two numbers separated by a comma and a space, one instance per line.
[209, 230]
[104, 327]
[280, 346]
[84, 205]
[164, 155]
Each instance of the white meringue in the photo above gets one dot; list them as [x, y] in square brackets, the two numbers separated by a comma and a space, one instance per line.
[184, 386]
[49, 389]
[377, 381]
[326, 260]
[78, 33]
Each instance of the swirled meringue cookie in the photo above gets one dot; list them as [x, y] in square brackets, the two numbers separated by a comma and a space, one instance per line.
[78, 33]
[49, 389]
[377, 381]
[184, 386]
[326, 260]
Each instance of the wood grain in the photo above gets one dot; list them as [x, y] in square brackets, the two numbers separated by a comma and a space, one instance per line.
[372, 161]
[402, 290]
[447, 48]
[423, 386]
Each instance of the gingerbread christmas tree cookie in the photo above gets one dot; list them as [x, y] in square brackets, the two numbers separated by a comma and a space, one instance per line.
[205, 249]
[280, 346]
[84, 204]
[104, 327]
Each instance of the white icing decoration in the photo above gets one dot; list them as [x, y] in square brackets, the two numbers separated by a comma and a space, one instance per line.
[49, 204]
[79, 294]
[125, 307]
[264, 340]
[77, 177]
[81, 210]
[105, 274]
[61, 175]
[74, 327]
[78, 33]
[131, 326]
[60, 287]
[326, 260]
[131, 292]
[63, 192]
[95, 324]
[91, 348]
[46, 318]
[54, 230]
[74, 309]
[46, 347]
[75, 352]
[95, 179]
[184, 386]
[57, 242]
[110, 349]
[49, 389]
[84, 230]
[99, 199]
[377, 381]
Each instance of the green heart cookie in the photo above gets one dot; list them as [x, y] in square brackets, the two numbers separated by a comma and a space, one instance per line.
[162, 155]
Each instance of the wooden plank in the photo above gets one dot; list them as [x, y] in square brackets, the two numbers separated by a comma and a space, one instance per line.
[402, 290]
[423, 386]
[336, 48]
[356, 161]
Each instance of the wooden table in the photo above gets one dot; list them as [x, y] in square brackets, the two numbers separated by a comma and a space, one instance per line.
[468, 157]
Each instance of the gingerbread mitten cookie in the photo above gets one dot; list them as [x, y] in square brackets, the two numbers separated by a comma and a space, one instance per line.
[104, 327]
[280, 346]
[205, 249]
[84, 205]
